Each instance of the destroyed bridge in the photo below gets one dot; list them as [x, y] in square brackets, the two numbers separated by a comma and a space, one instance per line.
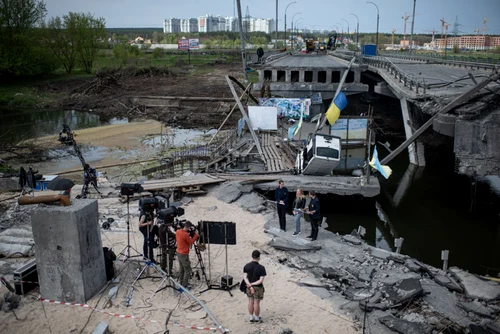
[458, 99]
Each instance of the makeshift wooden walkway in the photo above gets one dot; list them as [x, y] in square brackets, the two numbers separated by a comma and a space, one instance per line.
[275, 158]
[180, 182]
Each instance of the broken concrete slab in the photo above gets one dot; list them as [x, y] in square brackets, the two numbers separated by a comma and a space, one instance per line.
[251, 201]
[383, 254]
[357, 294]
[313, 283]
[475, 287]
[366, 274]
[444, 302]
[282, 244]
[229, 192]
[402, 292]
[476, 308]
[448, 282]
[414, 265]
[102, 328]
[402, 326]
[352, 239]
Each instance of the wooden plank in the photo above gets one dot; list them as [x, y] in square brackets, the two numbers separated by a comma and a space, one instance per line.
[245, 116]
[456, 102]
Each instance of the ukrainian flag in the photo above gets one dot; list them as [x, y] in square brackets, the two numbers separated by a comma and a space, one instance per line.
[386, 171]
[337, 105]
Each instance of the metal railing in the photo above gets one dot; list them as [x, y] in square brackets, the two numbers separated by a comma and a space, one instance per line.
[202, 154]
[409, 81]
[482, 62]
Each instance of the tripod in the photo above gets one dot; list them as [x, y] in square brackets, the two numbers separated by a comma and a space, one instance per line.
[225, 287]
[149, 261]
[126, 251]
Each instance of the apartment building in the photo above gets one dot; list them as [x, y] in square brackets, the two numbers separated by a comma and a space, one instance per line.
[171, 25]
[471, 42]
[189, 25]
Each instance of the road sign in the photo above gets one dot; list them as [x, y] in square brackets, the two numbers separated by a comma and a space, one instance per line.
[183, 44]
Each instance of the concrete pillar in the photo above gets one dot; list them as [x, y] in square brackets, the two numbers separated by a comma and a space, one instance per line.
[301, 76]
[408, 131]
[288, 76]
[315, 77]
[357, 76]
[68, 247]
[261, 75]
[328, 77]
[274, 77]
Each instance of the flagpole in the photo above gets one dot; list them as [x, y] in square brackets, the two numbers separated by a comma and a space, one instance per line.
[322, 122]
[369, 145]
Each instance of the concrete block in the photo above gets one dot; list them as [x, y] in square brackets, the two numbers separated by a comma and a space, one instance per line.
[102, 328]
[70, 259]
[9, 184]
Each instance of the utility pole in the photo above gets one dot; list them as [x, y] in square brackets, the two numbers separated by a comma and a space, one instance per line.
[412, 24]
[242, 42]
[357, 28]
[376, 37]
[276, 42]
[291, 3]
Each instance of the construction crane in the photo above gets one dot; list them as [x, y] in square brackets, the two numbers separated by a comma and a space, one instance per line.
[484, 25]
[405, 18]
[443, 22]
[393, 31]
[433, 32]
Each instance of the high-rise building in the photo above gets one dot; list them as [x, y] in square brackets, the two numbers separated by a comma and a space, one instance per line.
[189, 25]
[266, 25]
[171, 25]
[208, 23]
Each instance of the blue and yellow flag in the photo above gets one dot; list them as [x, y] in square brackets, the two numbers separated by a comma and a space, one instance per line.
[386, 171]
[337, 105]
[294, 129]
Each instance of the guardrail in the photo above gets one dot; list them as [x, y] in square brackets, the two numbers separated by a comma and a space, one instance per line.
[409, 81]
[438, 57]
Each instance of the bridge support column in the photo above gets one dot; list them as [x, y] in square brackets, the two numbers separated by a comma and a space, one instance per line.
[261, 75]
[302, 76]
[357, 76]
[413, 147]
[315, 76]
[274, 76]
[328, 77]
[288, 76]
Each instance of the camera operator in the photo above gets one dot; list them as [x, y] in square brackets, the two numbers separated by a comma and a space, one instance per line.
[168, 244]
[148, 230]
[185, 237]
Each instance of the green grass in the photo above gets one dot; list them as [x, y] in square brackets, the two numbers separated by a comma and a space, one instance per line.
[25, 94]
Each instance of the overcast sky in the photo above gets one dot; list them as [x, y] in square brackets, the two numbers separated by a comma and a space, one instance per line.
[315, 14]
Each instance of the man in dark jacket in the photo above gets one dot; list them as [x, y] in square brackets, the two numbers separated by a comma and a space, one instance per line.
[281, 196]
[314, 211]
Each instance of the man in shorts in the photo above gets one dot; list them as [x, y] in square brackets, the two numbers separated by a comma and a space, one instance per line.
[253, 274]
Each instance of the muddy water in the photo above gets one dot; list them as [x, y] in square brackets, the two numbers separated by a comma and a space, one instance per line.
[433, 209]
[32, 123]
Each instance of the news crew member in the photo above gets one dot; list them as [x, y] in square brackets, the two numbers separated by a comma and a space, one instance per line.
[168, 245]
[148, 230]
[184, 241]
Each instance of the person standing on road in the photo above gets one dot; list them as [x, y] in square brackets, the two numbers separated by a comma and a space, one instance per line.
[253, 274]
[184, 241]
[298, 209]
[281, 196]
[314, 211]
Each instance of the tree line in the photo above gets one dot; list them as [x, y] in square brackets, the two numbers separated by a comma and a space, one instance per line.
[30, 46]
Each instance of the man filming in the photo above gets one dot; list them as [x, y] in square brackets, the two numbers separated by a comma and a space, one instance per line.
[184, 240]
[148, 230]
[168, 245]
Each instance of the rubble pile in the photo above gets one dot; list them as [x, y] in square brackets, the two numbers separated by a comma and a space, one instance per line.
[399, 294]
[16, 236]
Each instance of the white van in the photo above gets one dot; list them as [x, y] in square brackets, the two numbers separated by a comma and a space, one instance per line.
[320, 156]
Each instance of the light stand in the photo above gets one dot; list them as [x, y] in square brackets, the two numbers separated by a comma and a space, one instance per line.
[228, 287]
[126, 251]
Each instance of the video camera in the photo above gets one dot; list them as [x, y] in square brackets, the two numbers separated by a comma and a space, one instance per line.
[148, 204]
[128, 189]
[170, 213]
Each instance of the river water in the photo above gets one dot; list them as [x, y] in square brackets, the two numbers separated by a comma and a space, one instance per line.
[432, 208]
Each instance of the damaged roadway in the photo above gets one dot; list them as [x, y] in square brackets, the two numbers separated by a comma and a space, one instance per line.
[400, 294]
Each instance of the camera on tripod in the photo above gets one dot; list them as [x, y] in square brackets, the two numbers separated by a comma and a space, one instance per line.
[128, 189]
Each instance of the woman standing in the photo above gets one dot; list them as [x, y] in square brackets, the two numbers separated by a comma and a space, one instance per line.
[298, 209]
